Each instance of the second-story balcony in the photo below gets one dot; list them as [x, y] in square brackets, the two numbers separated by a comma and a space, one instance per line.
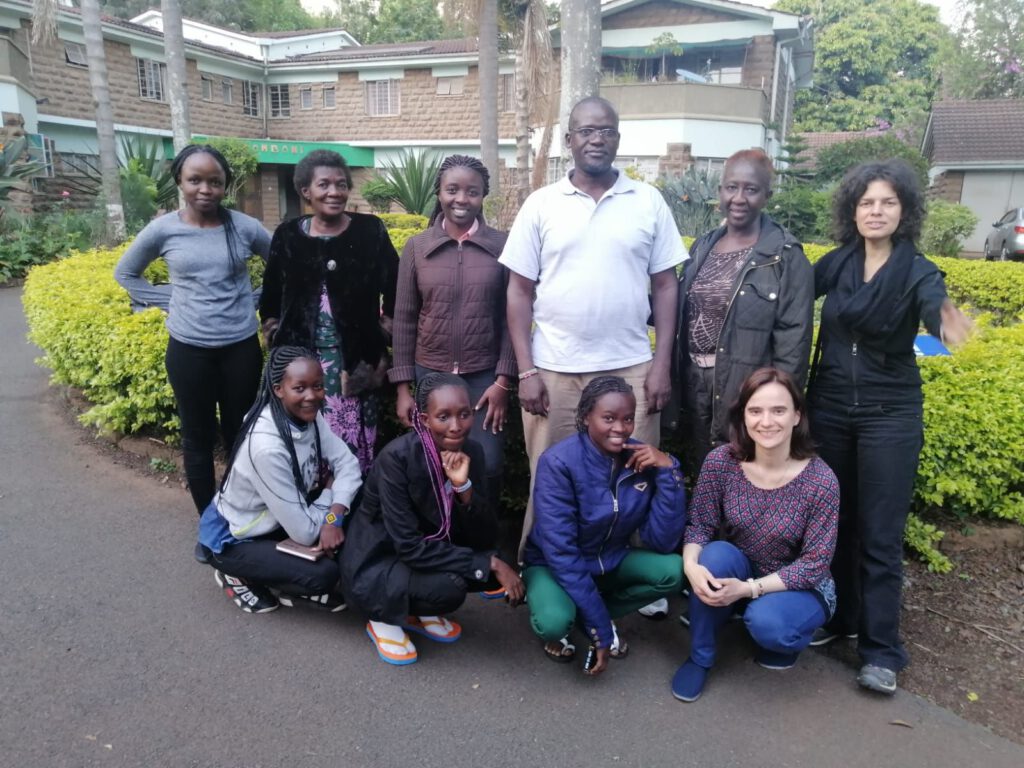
[649, 101]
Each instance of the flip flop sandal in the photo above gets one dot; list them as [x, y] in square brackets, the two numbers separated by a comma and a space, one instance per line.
[438, 629]
[565, 653]
[493, 594]
[392, 651]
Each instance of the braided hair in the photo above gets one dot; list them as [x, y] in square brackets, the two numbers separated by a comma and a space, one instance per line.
[594, 391]
[443, 493]
[273, 373]
[230, 233]
[459, 161]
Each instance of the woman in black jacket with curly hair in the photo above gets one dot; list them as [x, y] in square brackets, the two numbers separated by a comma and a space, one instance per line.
[330, 286]
[866, 400]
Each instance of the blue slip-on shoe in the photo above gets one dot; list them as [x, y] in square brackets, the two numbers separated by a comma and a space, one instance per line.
[688, 681]
[877, 679]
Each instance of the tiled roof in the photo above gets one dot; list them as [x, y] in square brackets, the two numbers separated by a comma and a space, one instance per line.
[393, 50]
[817, 141]
[976, 131]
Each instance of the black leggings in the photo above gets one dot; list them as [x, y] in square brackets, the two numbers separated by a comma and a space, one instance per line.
[205, 379]
[257, 561]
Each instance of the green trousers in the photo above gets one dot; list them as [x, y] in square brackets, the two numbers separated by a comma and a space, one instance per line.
[641, 578]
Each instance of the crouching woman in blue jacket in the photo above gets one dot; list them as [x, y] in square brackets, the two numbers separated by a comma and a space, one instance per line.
[593, 492]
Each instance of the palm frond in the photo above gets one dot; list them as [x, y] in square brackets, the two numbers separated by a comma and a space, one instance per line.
[412, 177]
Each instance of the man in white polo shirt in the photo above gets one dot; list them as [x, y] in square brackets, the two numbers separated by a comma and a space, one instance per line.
[583, 253]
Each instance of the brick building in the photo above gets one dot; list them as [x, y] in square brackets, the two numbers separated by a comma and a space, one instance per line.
[727, 85]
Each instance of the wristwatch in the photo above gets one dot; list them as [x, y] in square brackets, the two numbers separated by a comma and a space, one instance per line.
[333, 519]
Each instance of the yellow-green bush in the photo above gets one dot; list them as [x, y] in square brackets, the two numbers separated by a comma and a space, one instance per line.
[403, 221]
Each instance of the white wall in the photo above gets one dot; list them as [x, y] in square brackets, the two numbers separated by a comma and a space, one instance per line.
[990, 194]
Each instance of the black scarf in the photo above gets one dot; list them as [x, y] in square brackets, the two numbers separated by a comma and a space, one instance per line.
[871, 309]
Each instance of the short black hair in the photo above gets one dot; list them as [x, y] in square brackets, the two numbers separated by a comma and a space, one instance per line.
[594, 391]
[898, 173]
[178, 163]
[319, 158]
[593, 100]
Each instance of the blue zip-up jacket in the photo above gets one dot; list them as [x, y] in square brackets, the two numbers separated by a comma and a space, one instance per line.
[583, 520]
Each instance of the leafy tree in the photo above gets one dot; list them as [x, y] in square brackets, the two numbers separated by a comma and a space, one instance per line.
[248, 16]
[986, 60]
[875, 60]
[832, 162]
[391, 21]
[804, 211]
[242, 160]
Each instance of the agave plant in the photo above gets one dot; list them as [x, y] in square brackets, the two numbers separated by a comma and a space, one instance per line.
[13, 175]
[147, 158]
[412, 179]
[693, 199]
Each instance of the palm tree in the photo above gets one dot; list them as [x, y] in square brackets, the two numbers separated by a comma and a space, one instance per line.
[581, 55]
[534, 66]
[174, 50]
[44, 27]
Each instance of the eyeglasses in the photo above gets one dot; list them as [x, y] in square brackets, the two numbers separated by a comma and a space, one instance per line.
[604, 133]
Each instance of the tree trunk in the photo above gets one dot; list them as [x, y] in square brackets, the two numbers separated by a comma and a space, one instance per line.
[488, 75]
[581, 56]
[522, 129]
[93, 31]
[177, 85]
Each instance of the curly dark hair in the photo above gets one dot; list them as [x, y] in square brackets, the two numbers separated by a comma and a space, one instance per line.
[319, 158]
[900, 176]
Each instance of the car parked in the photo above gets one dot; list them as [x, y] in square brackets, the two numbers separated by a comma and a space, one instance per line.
[1006, 240]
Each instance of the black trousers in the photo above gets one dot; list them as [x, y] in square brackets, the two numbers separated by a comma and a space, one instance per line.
[258, 562]
[874, 452]
[206, 380]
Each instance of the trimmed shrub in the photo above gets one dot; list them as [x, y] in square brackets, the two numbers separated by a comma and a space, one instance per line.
[403, 221]
[946, 227]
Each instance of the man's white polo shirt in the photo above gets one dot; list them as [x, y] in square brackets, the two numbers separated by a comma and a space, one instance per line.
[592, 263]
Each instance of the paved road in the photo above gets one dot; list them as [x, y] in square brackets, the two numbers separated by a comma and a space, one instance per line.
[118, 650]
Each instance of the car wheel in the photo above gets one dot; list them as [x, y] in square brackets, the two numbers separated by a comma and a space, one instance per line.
[1004, 255]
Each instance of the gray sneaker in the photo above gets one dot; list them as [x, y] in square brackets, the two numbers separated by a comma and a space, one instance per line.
[824, 636]
[878, 679]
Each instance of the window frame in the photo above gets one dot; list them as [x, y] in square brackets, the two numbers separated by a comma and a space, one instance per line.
[333, 90]
[507, 93]
[450, 86]
[145, 70]
[227, 91]
[373, 98]
[80, 52]
[304, 91]
[281, 94]
[206, 87]
[250, 98]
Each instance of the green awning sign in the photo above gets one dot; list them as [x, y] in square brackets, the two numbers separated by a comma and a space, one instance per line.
[273, 151]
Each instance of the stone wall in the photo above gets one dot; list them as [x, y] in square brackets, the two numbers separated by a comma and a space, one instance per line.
[948, 185]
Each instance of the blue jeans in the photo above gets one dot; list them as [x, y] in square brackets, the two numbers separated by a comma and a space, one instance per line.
[781, 622]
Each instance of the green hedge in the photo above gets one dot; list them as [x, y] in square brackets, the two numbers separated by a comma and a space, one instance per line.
[974, 401]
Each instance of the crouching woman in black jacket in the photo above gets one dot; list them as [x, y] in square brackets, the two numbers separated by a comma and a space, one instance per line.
[423, 535]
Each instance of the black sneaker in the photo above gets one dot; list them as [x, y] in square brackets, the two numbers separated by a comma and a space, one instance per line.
[330, 601]
[250, 598]
[824, 636]
[877, 679]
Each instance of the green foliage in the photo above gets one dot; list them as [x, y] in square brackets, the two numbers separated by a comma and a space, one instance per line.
[986, 60]
[412, 179]
[242, 159]
[250, 16]
[834, 161]
[138, 193]
[946, 228]
[924, 538]
[875, 60]
[395, 221]
[43, 237]
[693, 200]
[804, 211]
[82, 320]
[991, 287]
[392, 21]
[148, 158]
[378, 193]
[13, 176]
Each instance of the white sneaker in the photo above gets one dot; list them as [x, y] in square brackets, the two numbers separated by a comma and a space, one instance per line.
[657, 610]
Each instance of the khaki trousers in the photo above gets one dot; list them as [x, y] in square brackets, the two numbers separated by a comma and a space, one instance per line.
[564, 390]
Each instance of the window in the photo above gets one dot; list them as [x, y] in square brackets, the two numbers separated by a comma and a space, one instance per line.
[227, 90]
[329, 97]
[305, 97]
[207, 84]
[280, 104]
[507, 94]
[77, 164]
[250, 98]
[382, 98]
[450, 86]
[152, 76]
[74, 54]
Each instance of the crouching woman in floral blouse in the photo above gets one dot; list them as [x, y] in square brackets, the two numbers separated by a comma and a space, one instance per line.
[761, 533]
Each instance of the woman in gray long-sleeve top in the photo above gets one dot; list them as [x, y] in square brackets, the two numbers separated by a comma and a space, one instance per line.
[213, 355]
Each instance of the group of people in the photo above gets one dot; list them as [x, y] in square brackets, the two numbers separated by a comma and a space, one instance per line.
[796, 518]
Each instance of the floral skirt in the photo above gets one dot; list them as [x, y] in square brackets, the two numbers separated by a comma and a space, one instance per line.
[353, 419]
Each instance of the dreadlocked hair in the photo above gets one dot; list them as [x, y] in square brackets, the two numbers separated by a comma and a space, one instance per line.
[230, 232]
[459, 161]
[443, 493]
[273, 373]
[594, 391]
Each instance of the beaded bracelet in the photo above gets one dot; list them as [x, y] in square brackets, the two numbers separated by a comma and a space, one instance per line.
[528, 374]
[463, 488]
